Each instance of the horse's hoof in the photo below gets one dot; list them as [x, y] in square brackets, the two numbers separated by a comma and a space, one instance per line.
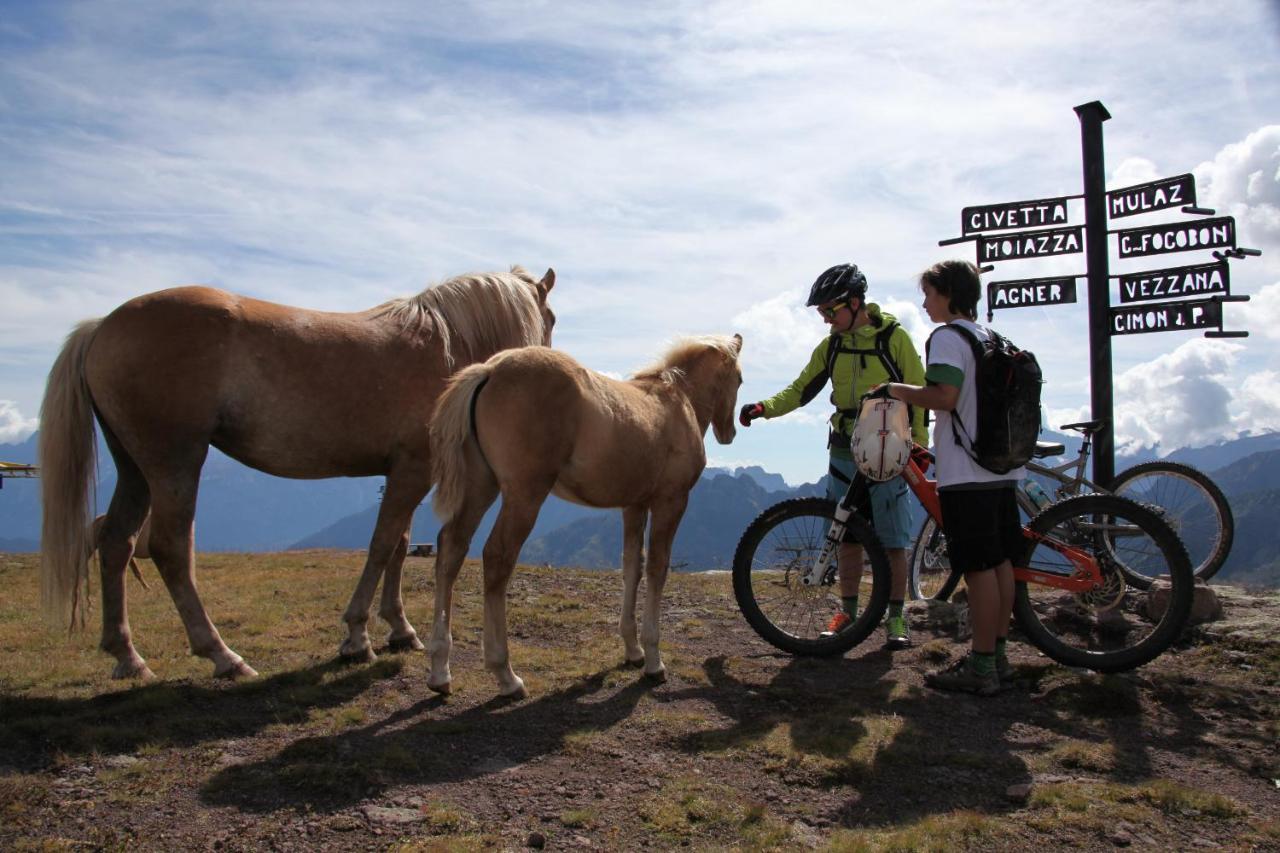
[635, 663]
[659, 677]
[133, 669]
[410, 643]
[365, 655]
[515, 693]
[444, 688]
[239, 669]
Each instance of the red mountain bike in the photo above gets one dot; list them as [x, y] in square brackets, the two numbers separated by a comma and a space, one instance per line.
[1071, 599]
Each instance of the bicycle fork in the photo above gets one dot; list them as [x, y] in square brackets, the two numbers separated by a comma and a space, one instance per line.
[817, 570]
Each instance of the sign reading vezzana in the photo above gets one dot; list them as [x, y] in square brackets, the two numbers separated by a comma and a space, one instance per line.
[1156, 195]
[1216, 233]
[1014, 214]
[1166, 317]
[1198, 280]
[1031, 244]
[1031, 291]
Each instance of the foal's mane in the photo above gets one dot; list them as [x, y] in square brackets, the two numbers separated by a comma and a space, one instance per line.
[670, 367]
[479, 312]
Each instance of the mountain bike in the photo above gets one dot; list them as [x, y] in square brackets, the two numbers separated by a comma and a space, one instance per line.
[1185, 497]
[1071, 596]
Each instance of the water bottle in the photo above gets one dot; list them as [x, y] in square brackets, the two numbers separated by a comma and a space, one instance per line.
[1037, 495]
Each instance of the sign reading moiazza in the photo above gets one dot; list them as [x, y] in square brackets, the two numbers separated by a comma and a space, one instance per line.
[1031, 291]
[1156, 195]
[1166, 317]
[1014, 214]
[1197, 280]
[1216, 233]
[1031, 244]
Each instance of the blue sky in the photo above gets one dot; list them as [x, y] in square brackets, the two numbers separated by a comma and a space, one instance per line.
[685, 168]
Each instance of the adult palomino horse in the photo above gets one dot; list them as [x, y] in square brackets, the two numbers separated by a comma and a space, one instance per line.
[532, 422]
[289, 391]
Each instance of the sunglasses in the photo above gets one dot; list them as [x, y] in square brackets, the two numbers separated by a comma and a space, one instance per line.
[830, 311]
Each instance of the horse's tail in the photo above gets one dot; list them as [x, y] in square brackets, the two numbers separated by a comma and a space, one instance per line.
[451, 429]
[67, 453]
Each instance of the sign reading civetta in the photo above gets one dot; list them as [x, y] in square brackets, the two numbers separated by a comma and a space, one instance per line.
[1026, 292]
[1166, 316]
[1156, 195]
[1216, 233]
[1037, 213]
[1030, 244]
[1196, 280]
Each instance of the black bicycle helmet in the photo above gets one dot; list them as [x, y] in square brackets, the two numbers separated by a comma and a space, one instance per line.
[843, 281]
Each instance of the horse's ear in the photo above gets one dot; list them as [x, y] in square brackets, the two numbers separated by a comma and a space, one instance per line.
[737, 344]
[548, 282]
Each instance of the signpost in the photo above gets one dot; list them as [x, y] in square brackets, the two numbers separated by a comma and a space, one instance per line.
[1140, 312]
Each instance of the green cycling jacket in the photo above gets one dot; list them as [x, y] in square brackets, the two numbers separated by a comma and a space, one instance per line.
[853, 374]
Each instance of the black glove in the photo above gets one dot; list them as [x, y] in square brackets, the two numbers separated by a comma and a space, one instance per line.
[879, 393]
[749, 413]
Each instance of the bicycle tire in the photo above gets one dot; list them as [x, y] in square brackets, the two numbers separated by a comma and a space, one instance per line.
[1194, 506]
[1107, 630]
[930, 571]
[766, 566]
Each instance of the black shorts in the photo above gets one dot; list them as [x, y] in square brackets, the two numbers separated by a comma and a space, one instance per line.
[982, 527]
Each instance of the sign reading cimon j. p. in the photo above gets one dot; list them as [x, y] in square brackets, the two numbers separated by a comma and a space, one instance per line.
[1039, 213]
[1166, 316]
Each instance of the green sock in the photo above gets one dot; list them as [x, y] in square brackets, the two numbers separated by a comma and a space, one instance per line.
[850, 603]
[1001, 644]
[984, 663]
[895, 609]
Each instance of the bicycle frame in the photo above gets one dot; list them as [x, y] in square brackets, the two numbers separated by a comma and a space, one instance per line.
[1086, 576]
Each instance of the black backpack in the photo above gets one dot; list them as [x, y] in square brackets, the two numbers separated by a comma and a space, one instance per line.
[1007, 382]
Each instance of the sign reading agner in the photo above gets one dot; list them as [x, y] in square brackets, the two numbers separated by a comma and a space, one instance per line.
[1166, 317]
[1031, 244]
[1198, 280]
[1216, 233]
[1156, 195]
[1014, 214]
[1031, 291]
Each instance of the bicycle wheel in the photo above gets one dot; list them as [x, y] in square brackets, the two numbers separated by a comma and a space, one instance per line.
[931, 575]
[1193, 505]
[772, 555]
[1107, 629]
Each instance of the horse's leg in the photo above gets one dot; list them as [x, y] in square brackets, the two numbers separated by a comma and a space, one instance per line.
[664, 519]
[406, 485]
[515, 521]
[172, 548]
[451, 549]
[633, 521]
[115, 551]
[403, 638]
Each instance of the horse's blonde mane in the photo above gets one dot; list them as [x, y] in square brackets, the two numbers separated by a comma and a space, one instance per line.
[669, 368]
[481, 313]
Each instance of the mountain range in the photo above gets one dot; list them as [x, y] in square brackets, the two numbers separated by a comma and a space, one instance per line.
[245, 510]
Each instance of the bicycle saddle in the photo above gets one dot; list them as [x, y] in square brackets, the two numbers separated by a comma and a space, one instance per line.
[1045, 448]
[1086, 427]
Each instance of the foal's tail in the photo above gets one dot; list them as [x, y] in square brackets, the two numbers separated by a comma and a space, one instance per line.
[451, 429]
[67, 461]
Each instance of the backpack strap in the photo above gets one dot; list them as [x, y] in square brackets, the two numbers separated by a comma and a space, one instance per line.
[880, 351]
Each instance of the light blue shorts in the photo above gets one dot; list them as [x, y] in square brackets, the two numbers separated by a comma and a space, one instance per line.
[890, 502]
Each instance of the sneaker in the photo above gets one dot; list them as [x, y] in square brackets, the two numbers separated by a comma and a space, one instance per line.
[897, 633]
[837, 624]
[961, 678]
[1005, 672]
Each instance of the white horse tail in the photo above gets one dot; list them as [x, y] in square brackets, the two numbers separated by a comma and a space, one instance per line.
[451, 429]
[67, 453]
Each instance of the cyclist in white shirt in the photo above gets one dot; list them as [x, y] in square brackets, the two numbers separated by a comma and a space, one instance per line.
[979, 509]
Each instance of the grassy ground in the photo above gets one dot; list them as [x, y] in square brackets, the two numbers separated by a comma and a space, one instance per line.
[743, 747]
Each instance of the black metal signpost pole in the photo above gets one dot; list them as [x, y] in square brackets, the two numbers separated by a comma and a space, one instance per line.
[1092, 115]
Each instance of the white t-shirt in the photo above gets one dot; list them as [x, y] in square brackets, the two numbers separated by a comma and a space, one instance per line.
[950, 351]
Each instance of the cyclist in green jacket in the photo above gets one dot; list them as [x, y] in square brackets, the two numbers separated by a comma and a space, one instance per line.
[866, 348]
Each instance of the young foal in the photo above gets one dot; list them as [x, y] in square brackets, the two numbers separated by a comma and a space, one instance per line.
[533, 422]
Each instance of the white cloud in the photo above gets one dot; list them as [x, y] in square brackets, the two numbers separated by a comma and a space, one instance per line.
[13, 426]
[1244, 181]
